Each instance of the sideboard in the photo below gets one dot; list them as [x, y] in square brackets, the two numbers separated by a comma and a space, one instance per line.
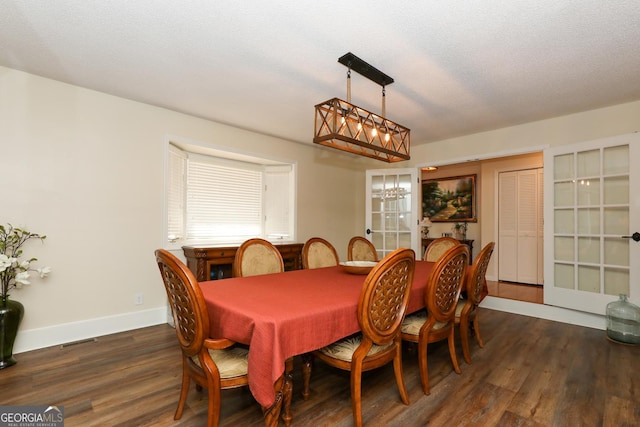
[216, 262]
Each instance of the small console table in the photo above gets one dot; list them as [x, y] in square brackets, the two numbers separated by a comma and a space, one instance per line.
[426, 242]
[216, 262]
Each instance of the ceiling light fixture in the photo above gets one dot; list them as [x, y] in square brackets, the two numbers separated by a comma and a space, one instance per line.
[347, 127]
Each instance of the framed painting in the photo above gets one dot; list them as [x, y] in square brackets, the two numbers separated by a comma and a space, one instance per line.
[450, 199]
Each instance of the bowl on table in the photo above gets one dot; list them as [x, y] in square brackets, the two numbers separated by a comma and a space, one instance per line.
[358, 267]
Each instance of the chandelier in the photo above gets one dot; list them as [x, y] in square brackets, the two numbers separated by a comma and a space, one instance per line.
[347, 127]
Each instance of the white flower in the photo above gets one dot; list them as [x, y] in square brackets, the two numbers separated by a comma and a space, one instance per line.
[43, 271]
[5, 262]
[14, 270]
[22, 278]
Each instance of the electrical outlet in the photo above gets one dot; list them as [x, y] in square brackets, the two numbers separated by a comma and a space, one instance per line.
[138, 299]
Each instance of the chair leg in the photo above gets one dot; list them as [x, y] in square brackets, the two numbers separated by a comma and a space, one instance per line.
[422, 365]
[452, 349]
[356, 393]
[476, 327]
[213, 416]
[464, 338]
[397, 368]
[183, 393]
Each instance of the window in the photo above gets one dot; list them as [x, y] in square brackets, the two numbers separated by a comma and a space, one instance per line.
[219, 200]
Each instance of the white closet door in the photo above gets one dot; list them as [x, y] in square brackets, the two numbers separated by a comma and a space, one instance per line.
[520, 226]
[540, 209]
[508, 227]
[527, 250]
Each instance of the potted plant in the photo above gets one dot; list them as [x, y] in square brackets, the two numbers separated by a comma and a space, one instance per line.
[460, 230]
[14, 273]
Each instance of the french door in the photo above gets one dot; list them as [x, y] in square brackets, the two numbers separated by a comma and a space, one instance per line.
[592, 220]
[392, 209]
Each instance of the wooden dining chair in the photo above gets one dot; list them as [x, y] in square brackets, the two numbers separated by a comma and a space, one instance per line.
[361, 249]
[317, 253]
[467, 310]
[437, 321]
[257, 256]
[381, 307]
[438, 247]
[214, 364]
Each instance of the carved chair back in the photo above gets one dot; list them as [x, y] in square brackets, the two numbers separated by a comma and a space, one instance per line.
[361, 249]
[257, 256]
[438, 247]
[317, 253]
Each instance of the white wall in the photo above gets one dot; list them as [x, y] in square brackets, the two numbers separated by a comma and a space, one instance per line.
[86, 169]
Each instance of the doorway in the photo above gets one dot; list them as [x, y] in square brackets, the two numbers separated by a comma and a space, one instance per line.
[486, 227]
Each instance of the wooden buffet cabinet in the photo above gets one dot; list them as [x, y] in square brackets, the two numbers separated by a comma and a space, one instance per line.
[216, 262]
[426, 242]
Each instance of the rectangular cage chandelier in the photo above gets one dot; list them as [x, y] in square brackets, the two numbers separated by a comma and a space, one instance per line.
[347, 127]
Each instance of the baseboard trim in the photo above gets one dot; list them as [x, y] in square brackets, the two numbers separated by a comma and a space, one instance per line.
[547, 312]
[34, 339]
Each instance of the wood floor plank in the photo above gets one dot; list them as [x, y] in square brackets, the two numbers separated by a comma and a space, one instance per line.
[536, 399]
[509, 419]
[621, 412]
[583, 402]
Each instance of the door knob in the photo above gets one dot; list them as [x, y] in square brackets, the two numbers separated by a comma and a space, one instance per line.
[368, 231]
[635, 236]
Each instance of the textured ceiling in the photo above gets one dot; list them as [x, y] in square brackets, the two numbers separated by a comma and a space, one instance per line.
[459, 67]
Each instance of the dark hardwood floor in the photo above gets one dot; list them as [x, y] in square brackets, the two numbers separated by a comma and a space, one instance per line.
[532, 372]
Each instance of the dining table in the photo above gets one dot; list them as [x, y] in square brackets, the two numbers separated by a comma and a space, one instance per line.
[282, 315]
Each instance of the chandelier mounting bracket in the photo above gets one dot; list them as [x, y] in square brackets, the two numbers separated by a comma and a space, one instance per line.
[364, 68]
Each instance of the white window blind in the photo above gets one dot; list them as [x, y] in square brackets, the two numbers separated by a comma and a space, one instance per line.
[224, 200]
[176, 193]
[278, 202]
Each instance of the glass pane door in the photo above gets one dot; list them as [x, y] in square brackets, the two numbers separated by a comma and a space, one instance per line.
[392, 209]
[587, 256]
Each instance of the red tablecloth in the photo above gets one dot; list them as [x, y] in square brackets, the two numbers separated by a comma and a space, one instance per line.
[286, 314]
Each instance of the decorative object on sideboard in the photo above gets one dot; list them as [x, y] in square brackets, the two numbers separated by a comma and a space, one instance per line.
[425, 224]
[342, 125]
[460, 230]
[14, 273]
